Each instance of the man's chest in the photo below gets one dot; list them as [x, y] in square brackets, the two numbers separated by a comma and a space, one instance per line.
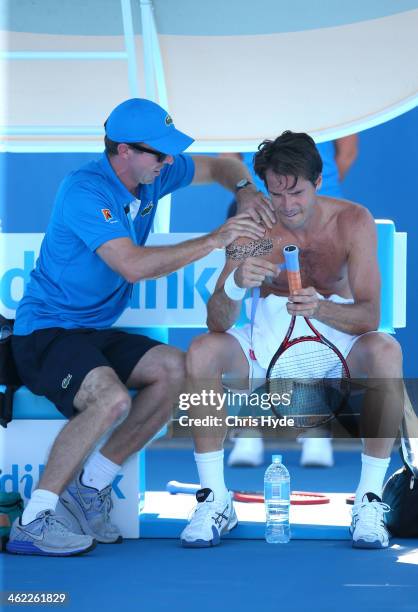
[323, 263]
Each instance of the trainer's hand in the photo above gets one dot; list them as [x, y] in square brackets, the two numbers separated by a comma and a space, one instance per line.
[253, 271]
[241, 225]
[257, 205]
[304, 302]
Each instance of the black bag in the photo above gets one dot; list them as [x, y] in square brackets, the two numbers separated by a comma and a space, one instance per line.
[401, 494]
[8, 372]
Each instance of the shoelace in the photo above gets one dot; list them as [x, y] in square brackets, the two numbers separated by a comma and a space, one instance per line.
[202, 510]
[57, 523]
[372, 514]
[104, 502]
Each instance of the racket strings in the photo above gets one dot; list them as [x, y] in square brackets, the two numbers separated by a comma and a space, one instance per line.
[309, 359]
[311, 373]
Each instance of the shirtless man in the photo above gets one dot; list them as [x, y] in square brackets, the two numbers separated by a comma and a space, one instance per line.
[337, 242]
[248, 448]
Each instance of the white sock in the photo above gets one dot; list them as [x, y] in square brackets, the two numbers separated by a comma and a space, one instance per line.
[99, 471]
[210, 467]
[40, 500]
[373, 471]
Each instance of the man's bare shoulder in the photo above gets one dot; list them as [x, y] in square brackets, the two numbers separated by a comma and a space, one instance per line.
[348, 214]
[355, 216]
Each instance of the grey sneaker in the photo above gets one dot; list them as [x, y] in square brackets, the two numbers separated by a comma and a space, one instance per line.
[47, 535]
[91, 508]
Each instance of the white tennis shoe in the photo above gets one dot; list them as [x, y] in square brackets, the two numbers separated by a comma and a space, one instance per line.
[316, 452]
[247, 452]
[210, 520]
[368, 527]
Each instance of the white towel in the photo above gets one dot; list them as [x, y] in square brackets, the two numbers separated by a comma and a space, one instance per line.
[272, 322]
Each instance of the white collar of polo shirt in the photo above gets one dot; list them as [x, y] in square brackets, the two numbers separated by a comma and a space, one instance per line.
[134, 207]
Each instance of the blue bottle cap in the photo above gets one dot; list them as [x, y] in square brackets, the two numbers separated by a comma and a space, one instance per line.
[276, 458]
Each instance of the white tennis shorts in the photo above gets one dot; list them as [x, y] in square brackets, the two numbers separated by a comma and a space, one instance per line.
[270, 326]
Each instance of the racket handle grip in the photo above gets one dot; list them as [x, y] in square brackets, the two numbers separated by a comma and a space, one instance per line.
[173, 487]
[291, 257]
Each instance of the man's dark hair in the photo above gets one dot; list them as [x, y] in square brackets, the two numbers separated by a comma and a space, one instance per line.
[291, 154]
[111, 147]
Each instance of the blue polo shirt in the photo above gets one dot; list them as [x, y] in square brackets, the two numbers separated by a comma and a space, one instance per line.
[331, 185]
[71, 286]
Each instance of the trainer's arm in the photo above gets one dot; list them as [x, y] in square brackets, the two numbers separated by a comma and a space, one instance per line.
[364, 279]
[228, 171]
[137, 263]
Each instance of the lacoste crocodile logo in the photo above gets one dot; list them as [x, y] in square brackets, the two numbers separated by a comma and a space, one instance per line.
[66, 381]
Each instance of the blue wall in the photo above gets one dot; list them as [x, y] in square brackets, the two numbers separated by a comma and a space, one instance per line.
[384, 178]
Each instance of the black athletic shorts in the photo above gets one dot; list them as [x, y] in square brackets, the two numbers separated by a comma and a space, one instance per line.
[54, 362]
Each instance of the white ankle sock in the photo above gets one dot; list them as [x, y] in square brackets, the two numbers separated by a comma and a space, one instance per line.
[40, 500]
[99, 471]
[373, 471]
[210, 467]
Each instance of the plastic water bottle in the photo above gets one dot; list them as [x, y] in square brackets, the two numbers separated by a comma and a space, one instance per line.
[277, 502]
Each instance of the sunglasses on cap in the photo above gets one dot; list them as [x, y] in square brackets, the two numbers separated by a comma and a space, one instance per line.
[160, 156]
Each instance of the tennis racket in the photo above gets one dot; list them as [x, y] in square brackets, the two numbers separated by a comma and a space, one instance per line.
[309, 368]
[297, 498]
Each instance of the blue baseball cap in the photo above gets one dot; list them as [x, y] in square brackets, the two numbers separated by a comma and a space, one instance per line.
[140, 120]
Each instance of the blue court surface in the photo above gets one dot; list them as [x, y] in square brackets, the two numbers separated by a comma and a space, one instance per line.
[157, 574]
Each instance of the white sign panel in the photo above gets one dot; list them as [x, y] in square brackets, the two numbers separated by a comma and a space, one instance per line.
[178, 300]
[24, 449]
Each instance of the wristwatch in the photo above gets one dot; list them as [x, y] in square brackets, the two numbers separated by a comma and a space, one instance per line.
[242, 184]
